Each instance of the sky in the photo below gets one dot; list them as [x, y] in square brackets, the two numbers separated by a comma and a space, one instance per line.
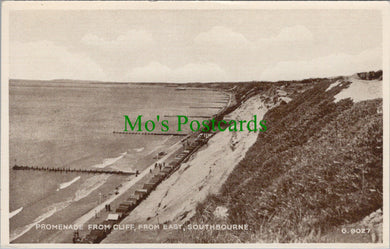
[193, 45]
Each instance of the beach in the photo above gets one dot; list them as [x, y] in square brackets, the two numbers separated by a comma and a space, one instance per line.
[65, 125]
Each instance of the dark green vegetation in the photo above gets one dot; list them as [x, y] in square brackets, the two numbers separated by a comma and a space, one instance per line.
[318, 166]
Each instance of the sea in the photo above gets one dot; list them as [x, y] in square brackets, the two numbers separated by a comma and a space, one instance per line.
[61, 124]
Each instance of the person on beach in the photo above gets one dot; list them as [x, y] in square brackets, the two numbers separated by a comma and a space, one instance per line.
[155, 165]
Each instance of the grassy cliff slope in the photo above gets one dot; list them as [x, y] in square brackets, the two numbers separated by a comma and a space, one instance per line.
[318, 166]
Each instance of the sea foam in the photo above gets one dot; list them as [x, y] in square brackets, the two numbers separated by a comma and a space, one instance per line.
[67, 184]
[109, 161]
[15, 212]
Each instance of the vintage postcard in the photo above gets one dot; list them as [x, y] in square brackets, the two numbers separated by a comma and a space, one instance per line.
[195, 124]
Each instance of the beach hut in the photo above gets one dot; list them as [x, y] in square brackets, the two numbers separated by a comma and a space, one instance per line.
[141, 193]
[167, 169]
[174, 162]
[162, 175]
[113, 217]
[121, 210]
[133, 198]
[156, 179]
[133, 203]
[124, 207]
[149, 186]
[127, 203]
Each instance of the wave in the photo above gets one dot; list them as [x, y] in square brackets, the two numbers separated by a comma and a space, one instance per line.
[47, 213]
[139, 149]
[109, 161]
[85, 189]
[15, 212]
[67, 184]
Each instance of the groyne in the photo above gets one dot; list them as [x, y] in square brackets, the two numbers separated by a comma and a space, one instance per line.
[149, 133]
[68, 170]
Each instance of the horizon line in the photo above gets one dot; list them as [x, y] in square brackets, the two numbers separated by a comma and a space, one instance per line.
[209, 82]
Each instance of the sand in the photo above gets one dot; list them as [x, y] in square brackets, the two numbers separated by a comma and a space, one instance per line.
[361, 90]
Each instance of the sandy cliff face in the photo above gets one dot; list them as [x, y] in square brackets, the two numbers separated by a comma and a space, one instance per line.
[175, 199]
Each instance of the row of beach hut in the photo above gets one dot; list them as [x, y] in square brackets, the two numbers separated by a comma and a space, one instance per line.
[124, 208]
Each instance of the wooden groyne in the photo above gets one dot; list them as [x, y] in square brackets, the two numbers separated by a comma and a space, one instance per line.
[68, 170]
[149, 133]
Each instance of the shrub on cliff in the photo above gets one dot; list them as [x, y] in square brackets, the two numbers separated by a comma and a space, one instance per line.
[318, 165]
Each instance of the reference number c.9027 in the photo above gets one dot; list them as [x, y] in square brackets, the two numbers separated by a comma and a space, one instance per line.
[355, 230]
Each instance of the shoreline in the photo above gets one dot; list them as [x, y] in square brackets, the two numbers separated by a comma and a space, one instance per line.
[167, 158]
[88, 216]
[82, 206]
